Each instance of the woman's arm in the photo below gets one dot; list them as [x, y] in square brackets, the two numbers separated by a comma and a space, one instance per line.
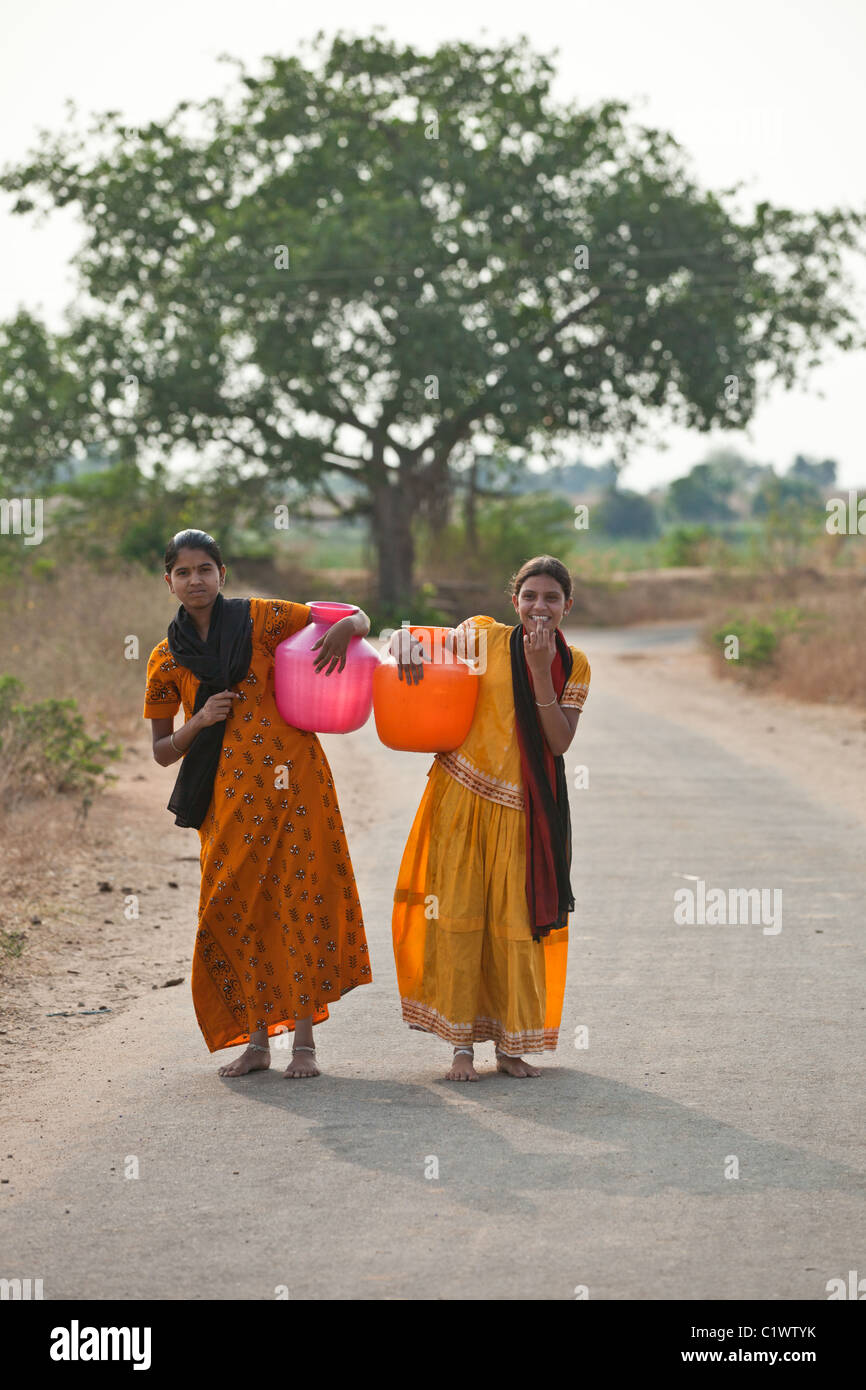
[408, 651]
[558, 724]
[163, 750]
[333, 646]
[212, 711]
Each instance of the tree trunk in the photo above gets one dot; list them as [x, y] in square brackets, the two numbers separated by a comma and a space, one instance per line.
[470, 514]
[437, 499]
[391, 531]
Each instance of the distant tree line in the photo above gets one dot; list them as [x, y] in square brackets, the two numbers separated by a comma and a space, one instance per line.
[722, 491]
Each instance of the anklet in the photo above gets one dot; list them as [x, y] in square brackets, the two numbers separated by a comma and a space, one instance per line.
[258, 1047]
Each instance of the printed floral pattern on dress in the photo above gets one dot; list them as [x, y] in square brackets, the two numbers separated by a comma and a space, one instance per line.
[258, 918]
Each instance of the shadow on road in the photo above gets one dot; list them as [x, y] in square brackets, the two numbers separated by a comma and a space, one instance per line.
[506, 1140]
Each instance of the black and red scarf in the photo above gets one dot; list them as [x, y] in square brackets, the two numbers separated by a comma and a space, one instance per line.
[545, 795]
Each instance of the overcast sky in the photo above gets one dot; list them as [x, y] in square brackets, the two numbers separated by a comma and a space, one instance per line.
[766, 91]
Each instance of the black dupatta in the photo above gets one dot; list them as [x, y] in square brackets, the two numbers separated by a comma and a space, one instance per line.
[220, 662]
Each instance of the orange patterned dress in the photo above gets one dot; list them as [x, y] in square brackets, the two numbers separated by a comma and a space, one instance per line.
[280, 931]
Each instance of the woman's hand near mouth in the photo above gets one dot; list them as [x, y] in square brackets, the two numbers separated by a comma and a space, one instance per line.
[539, 646]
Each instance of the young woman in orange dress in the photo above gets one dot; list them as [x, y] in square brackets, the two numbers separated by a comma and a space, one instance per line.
[480, 919]
[280, 933]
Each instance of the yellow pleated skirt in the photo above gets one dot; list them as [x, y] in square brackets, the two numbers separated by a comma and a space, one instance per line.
[467, 966]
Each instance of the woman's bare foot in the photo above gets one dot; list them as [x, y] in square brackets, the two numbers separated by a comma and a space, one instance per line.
[462, 1068]
[256, 1058]
[303, 1063]
[514, 1066]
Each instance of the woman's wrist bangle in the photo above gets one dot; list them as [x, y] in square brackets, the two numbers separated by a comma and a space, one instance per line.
[554, 701]
[173, 744]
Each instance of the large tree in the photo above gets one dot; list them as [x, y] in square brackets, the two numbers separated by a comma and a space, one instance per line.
[467, 265]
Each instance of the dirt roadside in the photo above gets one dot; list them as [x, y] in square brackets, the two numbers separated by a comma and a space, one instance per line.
[84, 952]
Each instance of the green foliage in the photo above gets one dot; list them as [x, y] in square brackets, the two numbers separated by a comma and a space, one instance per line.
[10, 688]
[821, 474]
[46, 749]
[702, 495]
[570, 478]
[758, 641]
[121, 513]
[759, 638]
[684, 546]
[788, 495]
[514, 528]
[624, 513]
[419, 609]
[410, 239]
[43, 567]
[507, 531]
[11, 944]
[793, 513]
[10, 561]
[42, 391]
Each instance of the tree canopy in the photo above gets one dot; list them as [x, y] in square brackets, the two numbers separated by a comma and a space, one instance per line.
[370, 262]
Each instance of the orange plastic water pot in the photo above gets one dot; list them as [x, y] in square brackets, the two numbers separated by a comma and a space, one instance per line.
[433, 716]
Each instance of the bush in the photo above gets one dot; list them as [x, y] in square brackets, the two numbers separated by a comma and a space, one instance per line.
[759, 639]
[46, 749]
[684, 546]
[694, 545]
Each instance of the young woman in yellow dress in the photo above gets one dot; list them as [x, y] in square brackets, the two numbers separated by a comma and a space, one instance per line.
[480, 918]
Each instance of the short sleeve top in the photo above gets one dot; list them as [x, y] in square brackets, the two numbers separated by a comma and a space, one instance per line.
[169, 685]
[488, 760]
[576, 687]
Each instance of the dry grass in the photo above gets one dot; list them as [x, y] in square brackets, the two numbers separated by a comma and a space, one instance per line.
[643, 596]
[823, 663]
[69, 636]
[66, 636]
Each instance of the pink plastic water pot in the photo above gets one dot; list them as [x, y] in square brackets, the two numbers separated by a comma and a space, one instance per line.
[309, 699]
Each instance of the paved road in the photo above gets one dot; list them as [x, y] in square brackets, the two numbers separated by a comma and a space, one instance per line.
[708, 1045]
